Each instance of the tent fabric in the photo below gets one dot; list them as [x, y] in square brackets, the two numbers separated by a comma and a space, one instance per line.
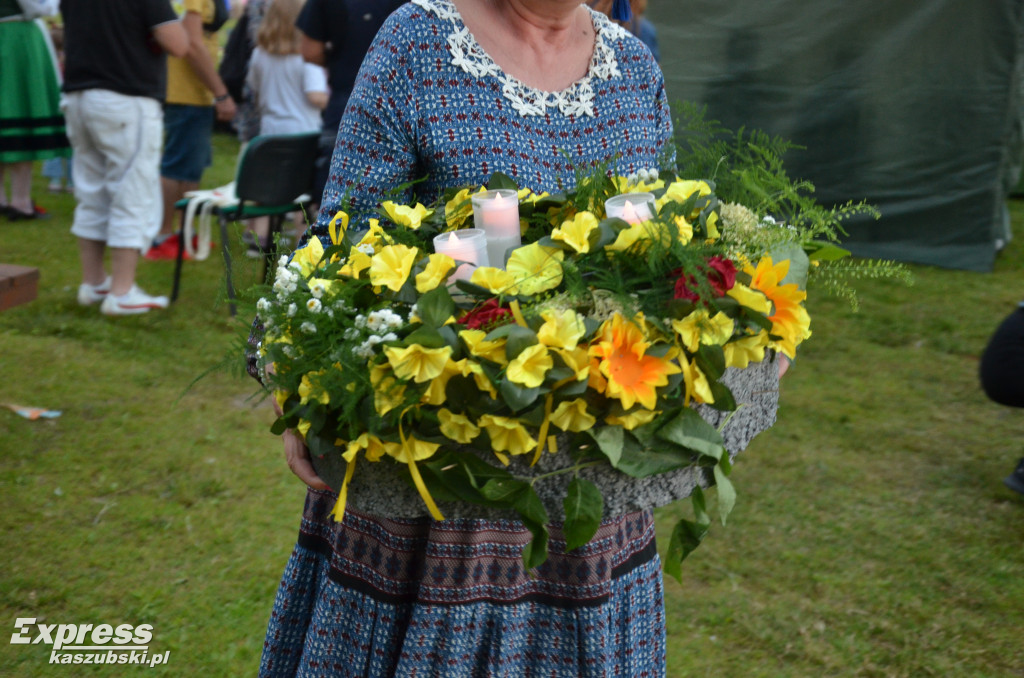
[913, 107]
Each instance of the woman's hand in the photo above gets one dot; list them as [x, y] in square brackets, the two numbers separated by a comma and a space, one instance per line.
[296, 453]
[784, 364]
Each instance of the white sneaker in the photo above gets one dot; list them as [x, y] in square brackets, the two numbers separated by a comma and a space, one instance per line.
[93, 294]
[136, 301]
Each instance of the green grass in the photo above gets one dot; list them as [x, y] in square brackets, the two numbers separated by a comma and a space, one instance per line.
[872, 537]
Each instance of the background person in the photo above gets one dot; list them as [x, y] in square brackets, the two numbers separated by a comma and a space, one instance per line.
[195, 93]
[1002, 374]
[115, 78]
[531, 71]
[336, 35]
[289, 93]
[31, 124]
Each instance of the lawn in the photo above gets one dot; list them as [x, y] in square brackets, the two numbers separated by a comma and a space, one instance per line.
[872, 537]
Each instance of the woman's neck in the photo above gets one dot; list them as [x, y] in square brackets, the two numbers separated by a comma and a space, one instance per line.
[545, 44]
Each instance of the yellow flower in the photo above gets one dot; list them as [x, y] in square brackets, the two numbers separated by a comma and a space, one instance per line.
[622, 185]
[742, 352]
[577, 360]
[303, 427]
[420, 450]
[712, 226]
[756, 301]
[685, 230]
[435, 393]
[337, 227]
[388, 392]
[573, 416]
[436, 271]
[418, 363]
[697, 386]
[632, 375]
[507, 435]
[536, 268]
[403, 215]
[308, 391]
[366, 441]
[494, 280]
[308, 258]
[529, 367]
[481, 348]
[576, 233]
[790, 320]
[701, 328]
[561, 329]
[458, 209]
[356, 263]
[680, 191]
[630, 420]
[391, 266]
[642, 233]
[457, 427]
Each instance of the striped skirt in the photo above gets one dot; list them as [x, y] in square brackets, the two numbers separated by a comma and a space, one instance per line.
[31, 123]
[375, 597]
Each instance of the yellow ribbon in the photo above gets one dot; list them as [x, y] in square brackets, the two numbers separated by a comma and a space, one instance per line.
[517, 313]
[338, 512]
[417, 479]
[332, 227]
[542, 437]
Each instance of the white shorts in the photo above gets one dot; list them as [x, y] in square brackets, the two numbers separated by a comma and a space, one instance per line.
[116, 141]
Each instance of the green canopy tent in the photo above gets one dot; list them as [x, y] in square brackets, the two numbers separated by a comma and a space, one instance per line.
[912, 106]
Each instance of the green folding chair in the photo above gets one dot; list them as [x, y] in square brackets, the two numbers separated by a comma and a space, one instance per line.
[274, 177]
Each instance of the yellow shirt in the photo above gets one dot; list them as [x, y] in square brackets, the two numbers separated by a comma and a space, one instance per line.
[183, 85]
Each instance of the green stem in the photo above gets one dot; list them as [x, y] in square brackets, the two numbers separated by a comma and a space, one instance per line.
[575, 468]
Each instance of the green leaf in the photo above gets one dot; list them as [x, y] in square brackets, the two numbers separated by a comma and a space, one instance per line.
[501, 180]
[609, 440]
[711, 361]
[435, 307]
[503, 490]
[687, 536]
[798, 263]
[427, 337]
[583, 506]
[517, 397]
[640, 462]
[825, 251]
[724, 399]
[279, 426]
[534, 516]
[691, 431]
[726, 493]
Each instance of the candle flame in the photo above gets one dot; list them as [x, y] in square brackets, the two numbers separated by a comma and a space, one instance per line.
[453, 239]
[629, 213]
[498, 200]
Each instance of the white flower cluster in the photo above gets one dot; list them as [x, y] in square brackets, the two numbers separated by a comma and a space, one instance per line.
[380, 324]
[649, 175]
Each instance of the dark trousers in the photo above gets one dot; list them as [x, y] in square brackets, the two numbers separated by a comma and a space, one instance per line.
[1002, 363]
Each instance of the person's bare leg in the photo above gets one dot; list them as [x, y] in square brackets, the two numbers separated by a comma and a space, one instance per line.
[123, 262]
[173, 191]
[90, 253]
[21, 186]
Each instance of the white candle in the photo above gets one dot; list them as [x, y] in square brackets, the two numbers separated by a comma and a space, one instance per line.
[468, 245]
[633, 208]
[497, 213]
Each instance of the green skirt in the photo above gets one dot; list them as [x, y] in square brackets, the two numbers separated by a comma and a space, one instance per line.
[31, 124]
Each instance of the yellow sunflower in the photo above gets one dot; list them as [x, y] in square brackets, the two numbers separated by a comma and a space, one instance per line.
[632, 375]
[790, 320]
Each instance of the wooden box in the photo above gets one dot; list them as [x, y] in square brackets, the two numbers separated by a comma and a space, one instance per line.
[18, 285]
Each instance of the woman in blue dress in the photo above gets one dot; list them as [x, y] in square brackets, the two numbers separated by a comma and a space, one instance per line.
[453, 92]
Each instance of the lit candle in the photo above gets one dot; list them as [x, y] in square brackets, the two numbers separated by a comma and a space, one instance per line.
[497, 213]
[468, 245]
[633, 208]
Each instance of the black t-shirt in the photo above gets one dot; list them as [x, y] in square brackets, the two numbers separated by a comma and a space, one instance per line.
[349, 27]
[109, 44]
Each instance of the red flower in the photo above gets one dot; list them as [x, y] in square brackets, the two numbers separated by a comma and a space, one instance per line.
[487, 315]
[721, 276]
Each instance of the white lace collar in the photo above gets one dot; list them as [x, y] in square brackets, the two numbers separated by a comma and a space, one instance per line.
[577, 99]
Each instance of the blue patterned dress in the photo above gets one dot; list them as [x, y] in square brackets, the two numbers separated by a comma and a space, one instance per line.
[379, 596]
